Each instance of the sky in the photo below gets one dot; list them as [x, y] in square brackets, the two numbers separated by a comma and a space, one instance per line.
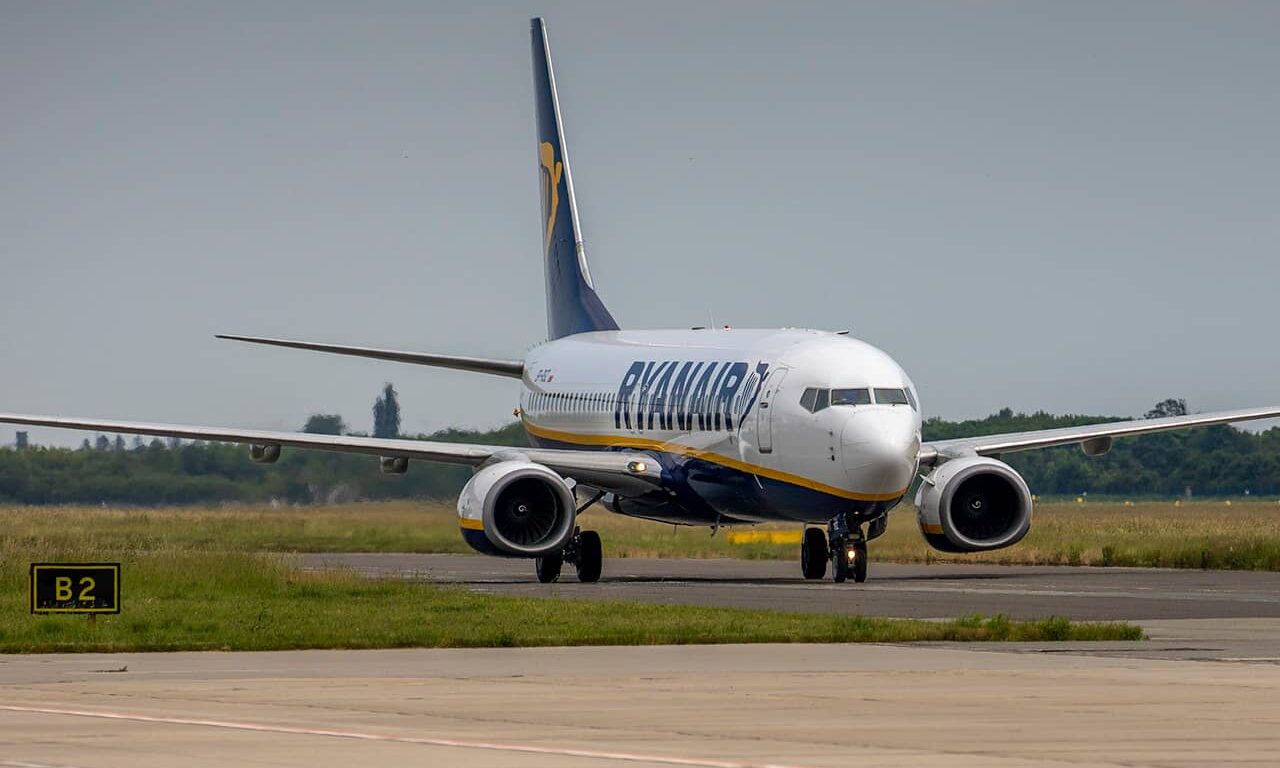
[1063, 206]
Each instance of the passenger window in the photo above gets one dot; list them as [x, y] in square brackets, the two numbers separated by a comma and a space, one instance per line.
[850, 397]
[824, 399]
[809, 397]
[891, 397]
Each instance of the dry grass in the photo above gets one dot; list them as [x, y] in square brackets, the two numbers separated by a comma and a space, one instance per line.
[1167, 534]
[1244, 535]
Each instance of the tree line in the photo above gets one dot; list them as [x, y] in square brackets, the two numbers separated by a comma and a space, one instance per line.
[1210, 461]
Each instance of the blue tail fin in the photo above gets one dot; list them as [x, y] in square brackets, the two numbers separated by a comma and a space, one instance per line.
[572, 303]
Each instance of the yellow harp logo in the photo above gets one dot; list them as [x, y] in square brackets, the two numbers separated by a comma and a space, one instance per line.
[551, 172]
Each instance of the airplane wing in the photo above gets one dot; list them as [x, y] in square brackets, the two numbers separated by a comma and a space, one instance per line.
[624, 473]
[511, 368]
[1094, 438]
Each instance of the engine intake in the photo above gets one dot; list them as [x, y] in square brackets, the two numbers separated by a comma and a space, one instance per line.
[516, 508]
[973, 504]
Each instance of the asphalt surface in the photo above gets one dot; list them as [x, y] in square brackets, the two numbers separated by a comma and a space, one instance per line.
[1202, 690]
[912, 591]
[731, 706]
[1231, 616]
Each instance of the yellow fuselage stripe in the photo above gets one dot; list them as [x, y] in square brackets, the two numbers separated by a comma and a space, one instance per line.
[622, 441]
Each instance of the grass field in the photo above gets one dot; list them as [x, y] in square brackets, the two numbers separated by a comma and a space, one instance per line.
[191, 599]
[207, 579]
[1158, 534]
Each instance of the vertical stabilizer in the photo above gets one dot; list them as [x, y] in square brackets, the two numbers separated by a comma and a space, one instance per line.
[572, 303]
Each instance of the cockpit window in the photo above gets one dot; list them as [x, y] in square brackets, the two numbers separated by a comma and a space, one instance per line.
[822, 401]
[891, 397]
[809, 397]
[850, 397]
[912, 397]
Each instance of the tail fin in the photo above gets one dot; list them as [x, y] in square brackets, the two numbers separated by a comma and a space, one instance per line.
[572, 303]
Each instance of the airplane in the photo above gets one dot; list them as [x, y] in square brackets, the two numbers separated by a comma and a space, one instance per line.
[702, 427]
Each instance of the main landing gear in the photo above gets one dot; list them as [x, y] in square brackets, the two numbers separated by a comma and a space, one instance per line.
[845, 548]
[583, 551]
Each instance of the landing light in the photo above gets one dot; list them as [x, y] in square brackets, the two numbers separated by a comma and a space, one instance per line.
[636, 467]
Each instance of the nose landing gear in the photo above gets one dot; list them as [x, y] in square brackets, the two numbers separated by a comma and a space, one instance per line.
[845, 547]
[849, 559]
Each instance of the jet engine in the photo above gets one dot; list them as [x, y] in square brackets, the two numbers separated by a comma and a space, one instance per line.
[973, 504]
[516, 508]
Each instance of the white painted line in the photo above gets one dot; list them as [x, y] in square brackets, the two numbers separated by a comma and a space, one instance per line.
[630, 757]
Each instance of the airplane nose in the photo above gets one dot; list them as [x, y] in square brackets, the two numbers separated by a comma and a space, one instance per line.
[880, 447]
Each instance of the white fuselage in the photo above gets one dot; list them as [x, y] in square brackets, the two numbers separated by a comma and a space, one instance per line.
[736, 415]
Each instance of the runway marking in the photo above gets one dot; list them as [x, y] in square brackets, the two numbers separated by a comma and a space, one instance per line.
[630, 757]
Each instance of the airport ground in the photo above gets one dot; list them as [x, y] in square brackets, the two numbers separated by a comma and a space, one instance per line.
[722, 706]
[1200, 690]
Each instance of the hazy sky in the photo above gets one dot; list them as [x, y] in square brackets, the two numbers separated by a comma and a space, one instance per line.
[1069, 206]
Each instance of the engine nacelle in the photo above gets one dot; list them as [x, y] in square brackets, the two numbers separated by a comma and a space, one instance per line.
[516, 508]
[973, 504]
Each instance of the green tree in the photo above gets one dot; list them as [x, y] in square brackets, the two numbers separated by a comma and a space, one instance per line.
[1170, 407]
[325, 424]
[103, 443]
[386, 413]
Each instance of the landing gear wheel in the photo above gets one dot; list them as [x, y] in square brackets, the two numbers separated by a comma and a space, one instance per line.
[590, 557]
[548, 567]
[859, 564]
[839, 563]
[813, 554]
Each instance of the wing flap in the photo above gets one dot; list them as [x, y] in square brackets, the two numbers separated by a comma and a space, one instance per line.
[935, 452]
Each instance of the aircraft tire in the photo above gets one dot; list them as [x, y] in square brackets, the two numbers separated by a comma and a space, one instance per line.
[813, 554]
[839, 564]
[548, 567]
[859, 562]
[590, 557]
